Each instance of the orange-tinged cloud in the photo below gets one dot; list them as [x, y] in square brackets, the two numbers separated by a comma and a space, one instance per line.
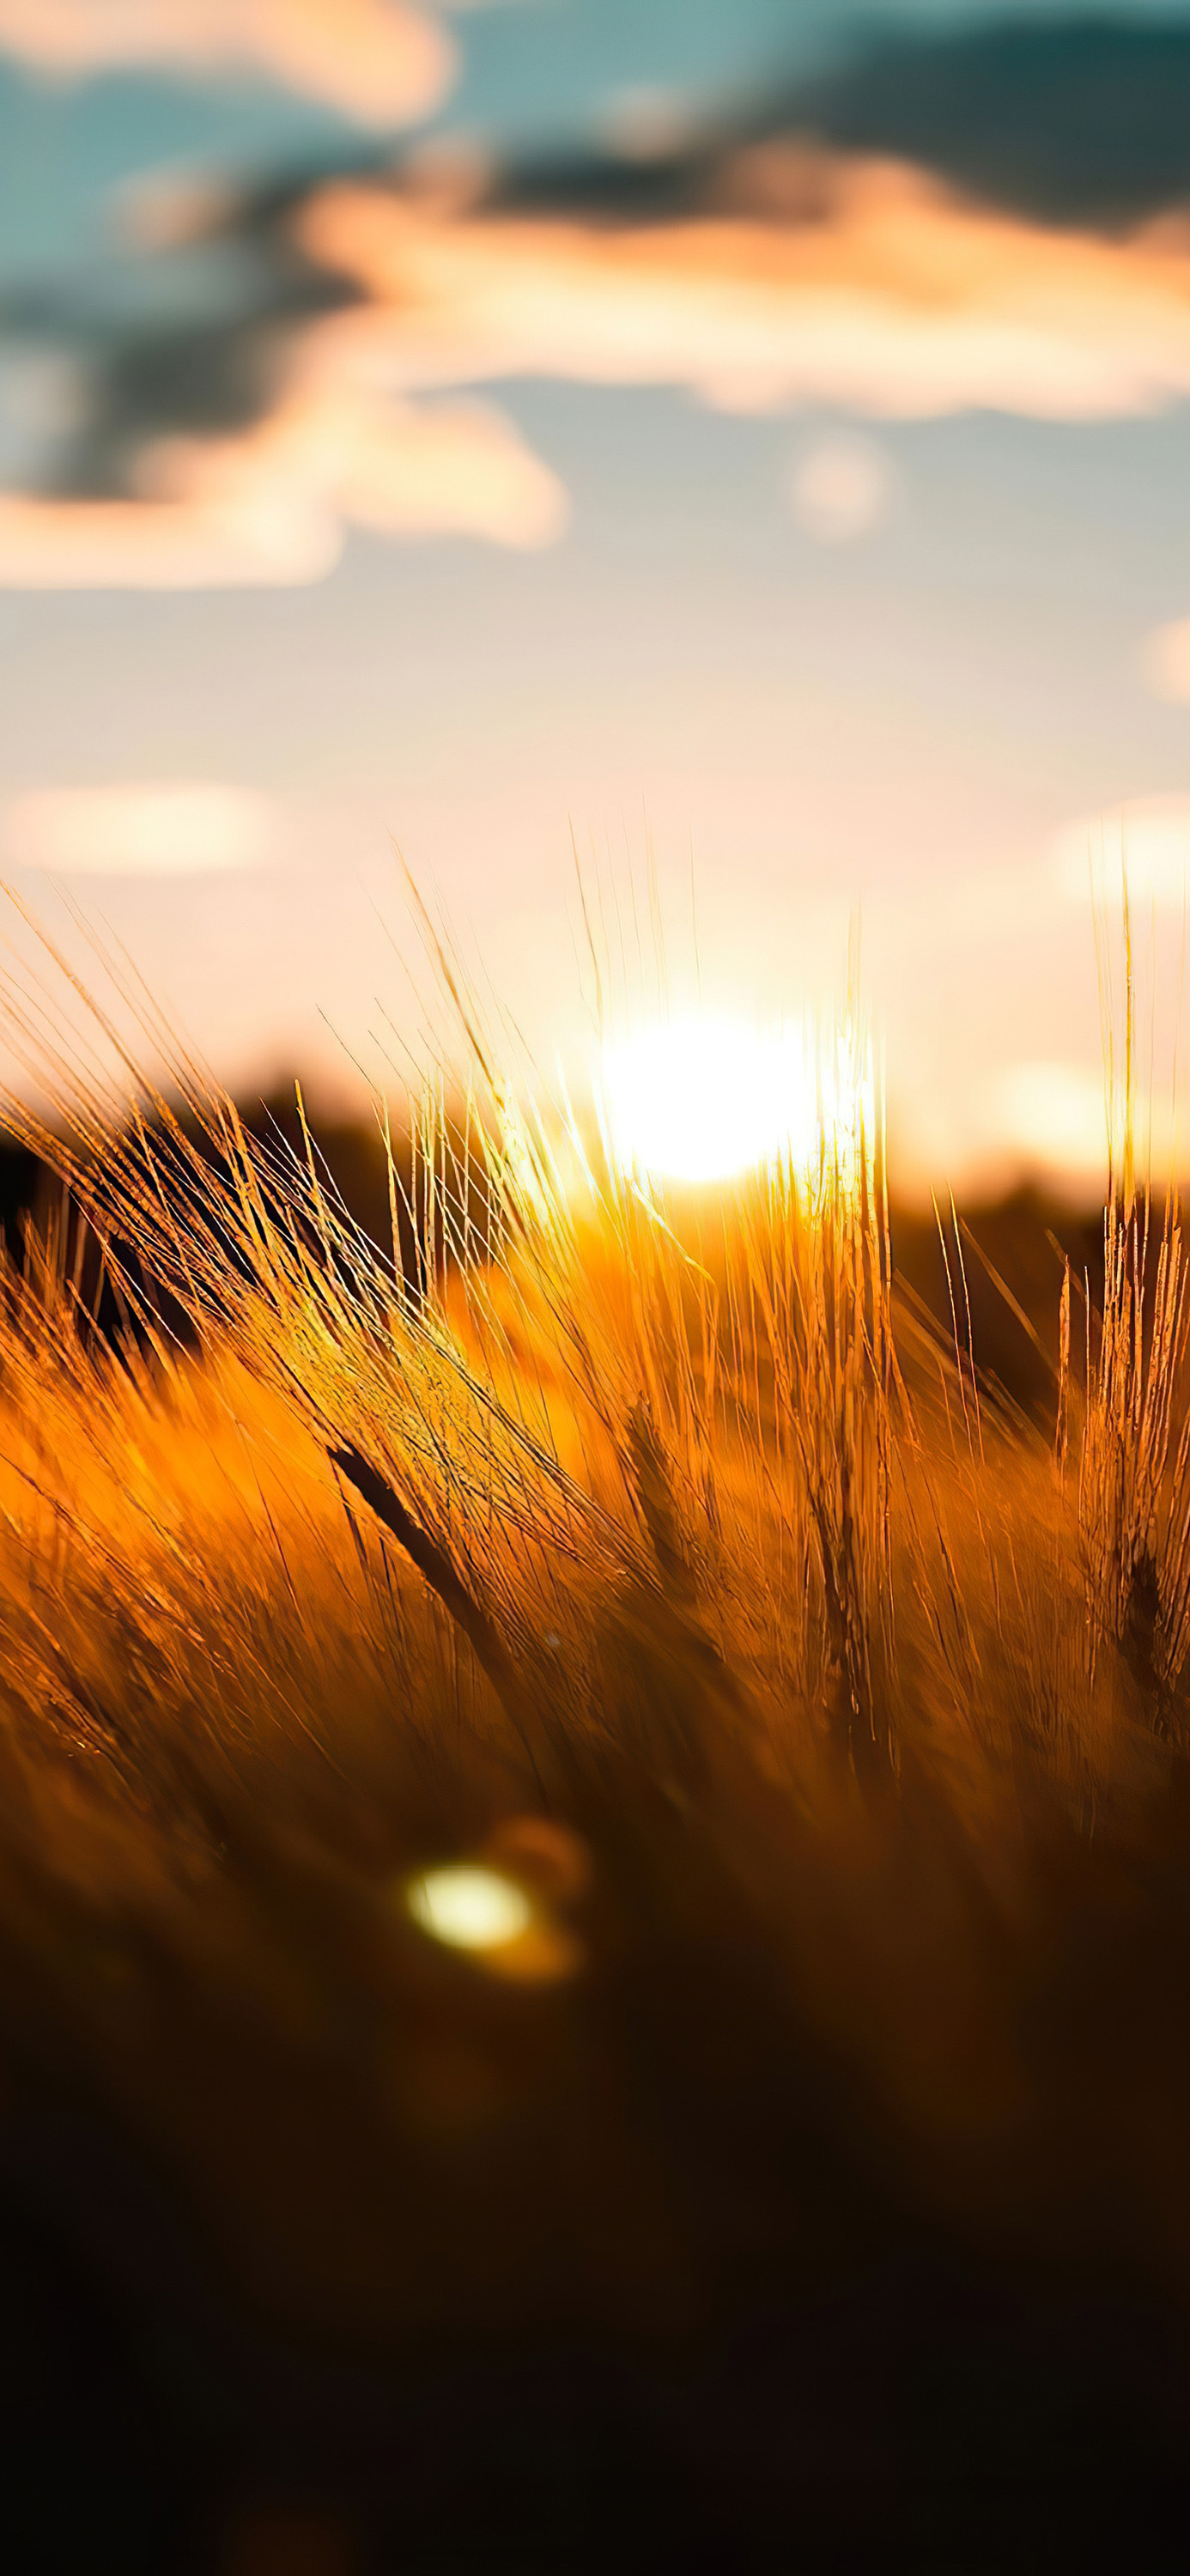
[449, 469]
[272, 507]
[379, 60]
[1167, 661]
[139, 831]
[815, 278]
[1145, 844]
[1057, 1118]
[1054, 1113]
[130, 545]
[894, 298]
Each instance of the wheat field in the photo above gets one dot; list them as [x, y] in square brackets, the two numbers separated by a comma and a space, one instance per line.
[652, 1558]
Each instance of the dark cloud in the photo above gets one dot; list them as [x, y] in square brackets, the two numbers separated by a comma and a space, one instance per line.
[1083, 122]
[204, 383]
[618, 187]
[186, 341]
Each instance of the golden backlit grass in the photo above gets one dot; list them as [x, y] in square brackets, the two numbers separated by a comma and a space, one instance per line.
[626, 1546]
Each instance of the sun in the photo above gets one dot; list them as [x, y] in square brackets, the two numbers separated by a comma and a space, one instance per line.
[704, 1098]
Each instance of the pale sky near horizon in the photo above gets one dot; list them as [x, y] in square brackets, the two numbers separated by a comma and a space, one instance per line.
[753, 431]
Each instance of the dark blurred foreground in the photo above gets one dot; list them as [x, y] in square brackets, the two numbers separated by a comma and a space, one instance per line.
[754, 2335]
[925, 2406]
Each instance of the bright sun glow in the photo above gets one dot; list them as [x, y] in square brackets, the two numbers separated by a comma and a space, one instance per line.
[469, 1908]
[700, 1099]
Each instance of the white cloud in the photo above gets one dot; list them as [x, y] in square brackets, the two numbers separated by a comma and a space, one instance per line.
[273, 507]
[379, 60]
[1166, 661]
[1053, 1115]
[461, 468]
[841, 489]
[139, 831]
[1149, 839]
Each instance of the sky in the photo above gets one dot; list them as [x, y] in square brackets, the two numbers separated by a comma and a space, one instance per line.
[737, 437]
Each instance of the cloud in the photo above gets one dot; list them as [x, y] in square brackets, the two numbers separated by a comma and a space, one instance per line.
[841, 489]
[1166, 661]
[380, 61]
[272, 507]
[418, 470]
[1052, 1114]
[1148, 839]
[861, 284]
[1082, 123]
[1055, 1118]
[125, 545]
[139, 831]
[265, 371]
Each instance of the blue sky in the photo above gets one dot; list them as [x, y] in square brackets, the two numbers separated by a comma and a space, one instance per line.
[613, 534]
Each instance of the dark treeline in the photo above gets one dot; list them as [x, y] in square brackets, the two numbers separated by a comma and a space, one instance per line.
[1000, 1275]
[40, 1215]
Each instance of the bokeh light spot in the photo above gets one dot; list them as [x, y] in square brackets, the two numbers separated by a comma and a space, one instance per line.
[469, 1908]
